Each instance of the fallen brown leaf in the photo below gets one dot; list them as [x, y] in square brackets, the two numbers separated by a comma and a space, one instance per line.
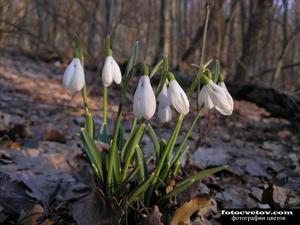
[182, 215]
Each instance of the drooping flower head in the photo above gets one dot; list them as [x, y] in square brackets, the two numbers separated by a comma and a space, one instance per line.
[164, 109]
[177, 96]
[73, 78]
[144, 102]
[216, 96]
[111, 70]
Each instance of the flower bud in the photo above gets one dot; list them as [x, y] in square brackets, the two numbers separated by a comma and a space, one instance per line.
[164, 109]
[111, 72]
[219, 98]
[178, 98]
[144, 102]
[73, 78]
[204, 99]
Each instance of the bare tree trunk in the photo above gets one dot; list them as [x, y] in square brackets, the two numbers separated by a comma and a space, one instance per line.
[283, 54]
[195, 43]
[256, 23]
[174, 50]
[109, 4]
[92, 30]
[164, 40]
[166, 25]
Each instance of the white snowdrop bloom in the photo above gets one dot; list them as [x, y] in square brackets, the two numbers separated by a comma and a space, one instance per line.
[73, 78]
[163, 97]
[204, 99]
[219, 98]
[164, 113]
[164, 109]
[178, 98]
[111, 72]
[229, 98]
[144, 102]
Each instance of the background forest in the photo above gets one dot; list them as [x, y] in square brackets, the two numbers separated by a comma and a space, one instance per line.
[255, 40]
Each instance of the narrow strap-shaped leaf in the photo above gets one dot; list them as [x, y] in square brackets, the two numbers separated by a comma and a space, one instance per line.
[136, 193]
[93, 153]
[156, 68]
[188, 182]
[131, 148]
[155, 140]
[103, 134]
[140, 162]
[132, 130]
[122, 187]
[113, 151]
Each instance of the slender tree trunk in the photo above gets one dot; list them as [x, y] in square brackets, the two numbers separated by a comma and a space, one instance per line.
[284, 53]
[256, 23]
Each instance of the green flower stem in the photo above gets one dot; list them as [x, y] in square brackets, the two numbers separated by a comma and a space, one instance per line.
[178, 164]
[203, 48]
[84, 98]
[185, 138]
[166, 152]
[104, 105]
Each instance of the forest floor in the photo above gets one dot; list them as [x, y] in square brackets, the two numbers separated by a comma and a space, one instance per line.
[41, 164]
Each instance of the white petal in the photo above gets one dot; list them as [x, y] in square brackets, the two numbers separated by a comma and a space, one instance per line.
[229, 98]
[219, 99]
[204, 99]
[77, 81]
[68, 74]
[107, 72]
[163, 97]
[164, 113]
[178, 98]
[144, 102]
[149, 99]
[117, 76]
[74, 76]
[137, 101]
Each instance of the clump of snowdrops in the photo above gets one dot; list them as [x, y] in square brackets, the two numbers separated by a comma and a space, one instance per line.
[122, 172]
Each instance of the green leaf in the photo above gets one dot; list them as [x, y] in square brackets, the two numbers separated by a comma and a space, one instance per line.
[121, 139]
[140, 162]
[103, 134]
[136, 193]
[156, 68]
[155, 140]
[182, 186]
[207, 63]
[93, 153]
[132, 130]
[131, 62]
[131, 148]
[217, 71]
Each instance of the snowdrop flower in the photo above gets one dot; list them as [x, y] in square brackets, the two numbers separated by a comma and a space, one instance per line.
[73, 78]
[144, 102]
[228, 96]
[177, 96]
[221, 101]
[204, 99]
[111, 71]
[164, 109]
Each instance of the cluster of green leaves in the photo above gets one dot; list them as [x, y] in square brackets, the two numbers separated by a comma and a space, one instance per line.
[122, 171]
